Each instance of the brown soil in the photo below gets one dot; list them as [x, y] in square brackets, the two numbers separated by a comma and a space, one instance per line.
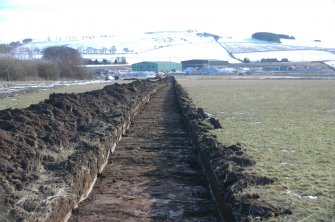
[154, 173]
[50, 153]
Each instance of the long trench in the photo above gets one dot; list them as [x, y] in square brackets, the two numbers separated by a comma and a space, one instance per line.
[154, 173]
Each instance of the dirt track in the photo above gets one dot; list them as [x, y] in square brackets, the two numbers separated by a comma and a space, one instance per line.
[154, 173]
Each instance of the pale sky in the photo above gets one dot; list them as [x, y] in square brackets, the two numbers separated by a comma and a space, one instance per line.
[310, 19]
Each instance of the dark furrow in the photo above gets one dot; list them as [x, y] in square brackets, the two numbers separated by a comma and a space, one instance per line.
[154, 173]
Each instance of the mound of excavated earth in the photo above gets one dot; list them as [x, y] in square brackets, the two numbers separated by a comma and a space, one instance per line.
[225, 167]
[51, 153]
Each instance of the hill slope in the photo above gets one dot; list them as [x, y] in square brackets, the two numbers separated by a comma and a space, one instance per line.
[177, 46]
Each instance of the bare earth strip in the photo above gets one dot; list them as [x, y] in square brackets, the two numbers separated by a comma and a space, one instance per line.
[154, 173]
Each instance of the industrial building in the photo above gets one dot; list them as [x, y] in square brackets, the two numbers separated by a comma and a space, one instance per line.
[203, 63]
[156, 66]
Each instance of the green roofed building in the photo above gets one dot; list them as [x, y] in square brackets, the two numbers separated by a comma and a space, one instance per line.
[154, 66]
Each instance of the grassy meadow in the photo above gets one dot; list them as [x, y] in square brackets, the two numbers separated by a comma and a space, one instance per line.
[23, 101]
[288, 127]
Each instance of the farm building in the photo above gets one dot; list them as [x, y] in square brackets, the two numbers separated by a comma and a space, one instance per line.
[274, 60]
[203, 63]
[155, 66]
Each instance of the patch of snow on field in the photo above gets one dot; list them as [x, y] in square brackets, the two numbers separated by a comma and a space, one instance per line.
[154, 46]
[308, 43]
[292, 193]
[207, 50]
[136, 43]
[12, 88]
[182, 45]
[331, 63]
[300, 196]
[284, 42]
[294, 56]
[250, 45]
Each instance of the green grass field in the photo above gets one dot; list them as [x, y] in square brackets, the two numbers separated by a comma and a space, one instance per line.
[23, 101]
[288, 127]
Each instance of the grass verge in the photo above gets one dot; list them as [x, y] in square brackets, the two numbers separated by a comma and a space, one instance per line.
[23, 101]
[287, 126]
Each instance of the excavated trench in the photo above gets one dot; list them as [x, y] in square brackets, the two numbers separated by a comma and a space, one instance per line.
[154, 173]
[57, 160]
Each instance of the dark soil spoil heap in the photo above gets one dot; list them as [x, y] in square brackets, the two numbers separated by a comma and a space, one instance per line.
[51, 153]
[226, 167]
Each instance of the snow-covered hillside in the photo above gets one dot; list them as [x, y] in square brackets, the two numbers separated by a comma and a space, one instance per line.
[157, 46]
[183, 45]
[293, 50]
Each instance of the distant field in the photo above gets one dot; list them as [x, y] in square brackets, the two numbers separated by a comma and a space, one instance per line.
[287, 126]
[293, 55]
[248, 47]
[23, 101]
[255, 51]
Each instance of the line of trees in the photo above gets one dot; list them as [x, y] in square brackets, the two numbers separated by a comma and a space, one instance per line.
[117, 60]
[268, 36]
[103, 50]
[58, 62]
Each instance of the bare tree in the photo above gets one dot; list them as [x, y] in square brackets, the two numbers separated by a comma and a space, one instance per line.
[126, 50]
[5, 49]
[66, 58]
[80, 50]
[64, 64]
[104, 50]
[112, 50]
[123, 60]
[6, 61]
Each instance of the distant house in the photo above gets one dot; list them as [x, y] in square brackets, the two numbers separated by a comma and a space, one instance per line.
[203, 63]
[156, 66]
